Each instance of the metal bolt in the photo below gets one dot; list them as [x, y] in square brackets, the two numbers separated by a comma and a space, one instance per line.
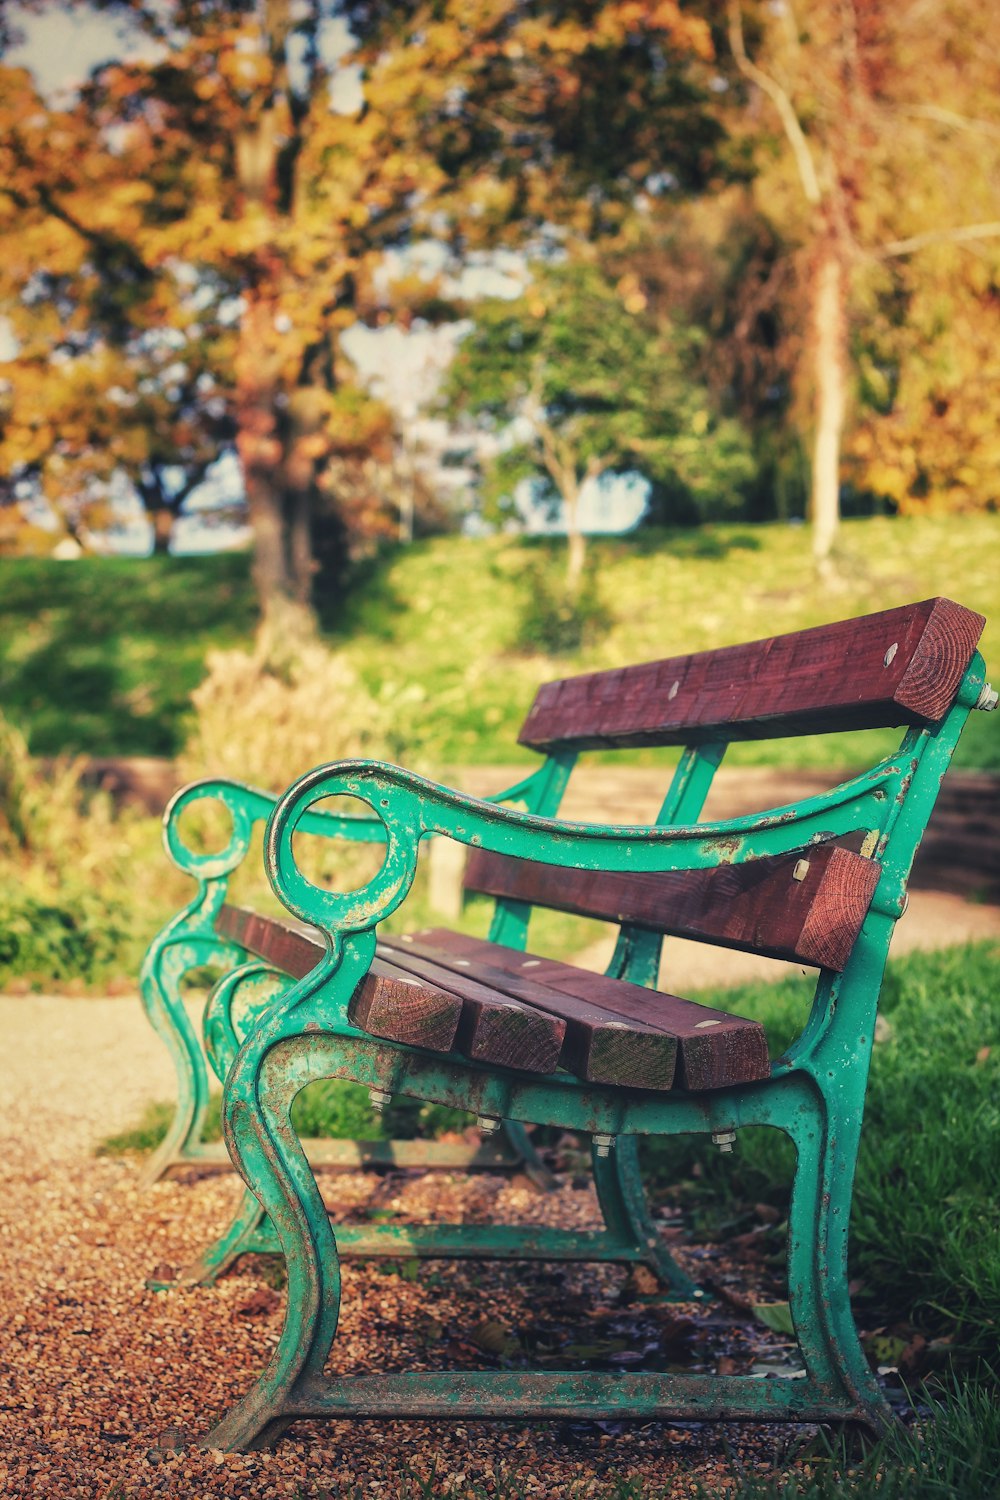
[801, 869]
[603, 1144]
[988, 698]
[379, 1099]
[488, 1124]
[889, 657]
[723, 1139]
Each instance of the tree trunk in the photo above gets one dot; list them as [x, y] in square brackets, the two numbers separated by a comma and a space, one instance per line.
[830, 369]
[162, 521]
[575, 542]
[279, 507]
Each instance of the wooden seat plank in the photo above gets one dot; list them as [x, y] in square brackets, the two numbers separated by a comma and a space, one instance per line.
[388, 1003]
[493, 1027]
[599, 1045]
[715, 1049]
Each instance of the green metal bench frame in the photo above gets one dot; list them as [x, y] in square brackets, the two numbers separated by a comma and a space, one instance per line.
[815, 1093]
[190, 942]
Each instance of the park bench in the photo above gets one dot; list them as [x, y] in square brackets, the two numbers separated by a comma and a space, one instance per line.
[487, 1026]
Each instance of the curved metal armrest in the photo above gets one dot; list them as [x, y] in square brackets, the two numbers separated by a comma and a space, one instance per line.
[411, 808]
[246, 806]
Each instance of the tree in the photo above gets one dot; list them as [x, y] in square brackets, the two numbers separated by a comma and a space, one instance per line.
[186, 242]
[574, 381]
[889, 113]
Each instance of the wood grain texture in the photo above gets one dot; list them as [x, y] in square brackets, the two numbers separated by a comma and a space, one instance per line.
[758, 907]
[389, 1002]
[599, 1045]
[900, 666]
[714, 1048]
[493, 1027]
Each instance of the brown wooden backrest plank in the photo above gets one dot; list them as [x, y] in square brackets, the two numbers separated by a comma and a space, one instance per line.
[759, 907]
[388, 1003]
[599, 1046]
[493, 1027]
[715, 1048]
[900, 666]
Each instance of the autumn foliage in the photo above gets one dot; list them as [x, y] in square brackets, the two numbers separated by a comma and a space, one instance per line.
[186, 240]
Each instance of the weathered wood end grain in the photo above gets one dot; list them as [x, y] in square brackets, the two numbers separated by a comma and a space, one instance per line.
[714, 1048]
[493, 1027]
[598, 1045]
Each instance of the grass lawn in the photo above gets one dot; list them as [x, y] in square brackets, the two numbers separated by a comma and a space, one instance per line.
[99, 656]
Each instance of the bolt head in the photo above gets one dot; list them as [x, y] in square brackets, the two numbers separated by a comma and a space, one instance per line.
[379, 1099]
[488, 1124]
[724, 1140]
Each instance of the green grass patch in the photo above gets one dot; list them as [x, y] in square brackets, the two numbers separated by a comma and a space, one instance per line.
[925, 1224]
[953, 1454]
[100, 655]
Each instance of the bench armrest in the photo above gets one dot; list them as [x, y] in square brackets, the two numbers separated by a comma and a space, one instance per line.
[246, 806]
[412, 808]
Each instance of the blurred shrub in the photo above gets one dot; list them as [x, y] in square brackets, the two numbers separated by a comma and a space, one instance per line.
[69, 909]
[555, 620]
[266, 723]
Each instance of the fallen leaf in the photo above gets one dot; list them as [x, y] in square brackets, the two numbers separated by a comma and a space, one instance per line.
[775, 1315]
[493, 1337]
[259, 1304]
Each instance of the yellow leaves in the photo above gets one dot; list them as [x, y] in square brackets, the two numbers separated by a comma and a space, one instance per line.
[629, 289]
[246, 70]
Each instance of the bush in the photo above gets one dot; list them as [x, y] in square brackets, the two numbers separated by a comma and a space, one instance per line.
[555, 620]
[68, 909]
[266, 723]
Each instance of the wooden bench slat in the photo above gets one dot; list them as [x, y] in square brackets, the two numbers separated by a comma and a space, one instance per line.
[406, 998]
[388, 1002]
[759, 907]
[597, 1046]
[715, 1049]
[900, 666]
[493, 1028]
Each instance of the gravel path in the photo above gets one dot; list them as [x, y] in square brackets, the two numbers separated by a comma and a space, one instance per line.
[105, 1387]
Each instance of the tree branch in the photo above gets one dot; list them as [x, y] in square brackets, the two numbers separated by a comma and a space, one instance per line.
[950, 117]
[962, 234]
[781, 102]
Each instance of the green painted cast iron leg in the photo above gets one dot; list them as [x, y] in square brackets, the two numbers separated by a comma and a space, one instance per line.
[169, 958]
[819, 1215]
[622, 1197]
[266, 1151]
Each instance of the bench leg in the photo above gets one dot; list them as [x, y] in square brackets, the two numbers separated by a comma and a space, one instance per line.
[826, 1145]
[524, 1155]
[249, 1233]
[266, 1151]
[622, 1197]
[173, 954]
